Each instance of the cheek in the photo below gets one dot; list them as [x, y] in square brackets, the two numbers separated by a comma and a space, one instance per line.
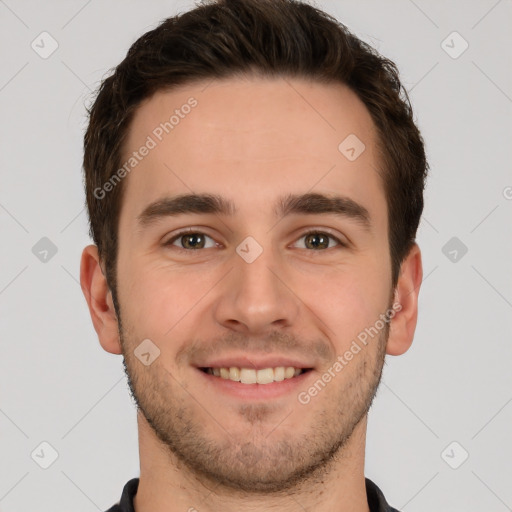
[348, 302]
[153, 301]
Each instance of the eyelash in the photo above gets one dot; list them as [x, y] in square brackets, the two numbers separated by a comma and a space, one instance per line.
[191, 231]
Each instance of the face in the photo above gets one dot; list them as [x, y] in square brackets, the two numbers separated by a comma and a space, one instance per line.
[266, 282]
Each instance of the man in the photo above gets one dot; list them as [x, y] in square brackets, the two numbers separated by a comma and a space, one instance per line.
[254, 182]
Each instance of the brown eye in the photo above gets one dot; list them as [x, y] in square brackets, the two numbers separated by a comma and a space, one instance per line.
[189, 240]
[319, 240]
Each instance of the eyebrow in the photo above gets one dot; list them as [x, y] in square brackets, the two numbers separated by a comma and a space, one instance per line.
[309, 204]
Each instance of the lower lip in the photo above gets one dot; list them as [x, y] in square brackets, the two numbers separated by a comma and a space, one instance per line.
[258, 391]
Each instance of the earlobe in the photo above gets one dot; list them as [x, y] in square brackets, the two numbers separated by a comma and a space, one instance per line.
[99, 300]
[403, 324]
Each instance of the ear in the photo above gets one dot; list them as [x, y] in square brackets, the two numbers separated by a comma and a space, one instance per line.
[403, 324]
[99, 299]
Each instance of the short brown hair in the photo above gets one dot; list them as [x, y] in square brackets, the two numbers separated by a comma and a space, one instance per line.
[275, 38]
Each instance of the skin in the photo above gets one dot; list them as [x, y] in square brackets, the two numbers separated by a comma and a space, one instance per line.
[252, 140]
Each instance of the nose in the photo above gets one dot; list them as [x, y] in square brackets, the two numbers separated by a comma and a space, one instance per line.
[257, 297]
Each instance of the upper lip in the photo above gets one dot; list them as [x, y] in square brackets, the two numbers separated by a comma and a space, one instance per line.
[257, 362]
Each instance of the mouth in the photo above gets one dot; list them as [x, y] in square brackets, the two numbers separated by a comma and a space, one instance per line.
[255, 376]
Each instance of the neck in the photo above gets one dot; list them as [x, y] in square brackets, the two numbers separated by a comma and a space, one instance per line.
[167, 485]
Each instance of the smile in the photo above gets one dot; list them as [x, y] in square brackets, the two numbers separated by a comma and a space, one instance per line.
[252, 376]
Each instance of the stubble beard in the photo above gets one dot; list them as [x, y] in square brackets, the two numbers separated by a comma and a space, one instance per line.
[265, 458]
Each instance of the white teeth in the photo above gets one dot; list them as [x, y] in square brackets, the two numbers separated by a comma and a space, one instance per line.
[289, 372]
[265, 376]
[251, 376]
[279, 373]
[247, 376]
[234, 374]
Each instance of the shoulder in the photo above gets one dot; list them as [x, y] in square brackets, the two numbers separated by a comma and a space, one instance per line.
[125, 504]
[376, 500]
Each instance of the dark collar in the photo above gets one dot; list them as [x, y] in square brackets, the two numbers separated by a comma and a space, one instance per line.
[376, 500]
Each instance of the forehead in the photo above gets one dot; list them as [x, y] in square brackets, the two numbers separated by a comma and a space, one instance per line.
[250, 140]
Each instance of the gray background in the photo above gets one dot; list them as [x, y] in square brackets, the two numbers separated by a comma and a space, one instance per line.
[455, 384]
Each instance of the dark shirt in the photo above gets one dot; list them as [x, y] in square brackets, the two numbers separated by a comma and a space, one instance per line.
[376, 500]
